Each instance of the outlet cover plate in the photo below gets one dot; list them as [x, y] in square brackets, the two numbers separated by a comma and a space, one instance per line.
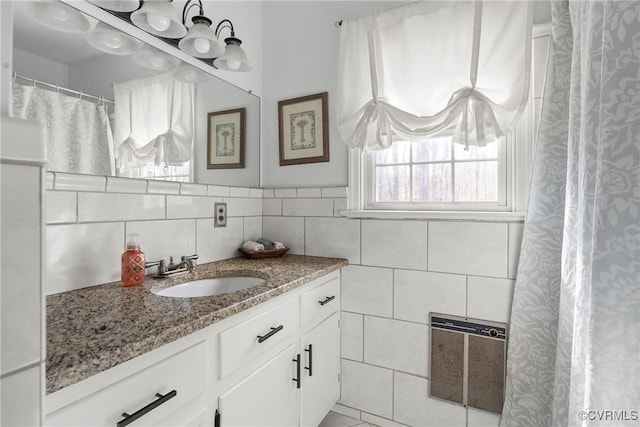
[220, 219]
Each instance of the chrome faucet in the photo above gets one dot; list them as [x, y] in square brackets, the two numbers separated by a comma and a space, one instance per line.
[186, 264]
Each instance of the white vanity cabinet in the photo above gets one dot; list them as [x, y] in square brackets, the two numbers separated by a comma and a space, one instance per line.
[320, 387]
[275, 364]
[299, 385]
[149, 396]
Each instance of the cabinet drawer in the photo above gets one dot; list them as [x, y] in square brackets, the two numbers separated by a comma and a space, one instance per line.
[251, 338]
[320, 302]
[184, 372]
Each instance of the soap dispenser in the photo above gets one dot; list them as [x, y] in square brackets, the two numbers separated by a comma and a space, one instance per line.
[132, 267]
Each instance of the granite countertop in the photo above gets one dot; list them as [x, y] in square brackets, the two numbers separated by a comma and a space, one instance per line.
[92, 329]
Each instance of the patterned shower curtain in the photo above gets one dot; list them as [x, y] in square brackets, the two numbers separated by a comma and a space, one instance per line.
[79, 138]
[574, 352]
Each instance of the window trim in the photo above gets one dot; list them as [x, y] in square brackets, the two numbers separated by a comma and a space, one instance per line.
[519, 156]
[504, 188]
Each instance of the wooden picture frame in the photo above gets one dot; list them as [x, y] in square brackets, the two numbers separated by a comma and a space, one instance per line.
[226, 139]
[304, 129]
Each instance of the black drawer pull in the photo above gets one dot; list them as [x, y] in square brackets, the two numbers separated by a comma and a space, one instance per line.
[128, 419]
[263, 338]
[297, 380]
[310, 367]
[327, 300]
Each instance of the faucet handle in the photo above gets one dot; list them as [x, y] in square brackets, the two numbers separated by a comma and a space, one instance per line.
[161, 265]
[191, 257]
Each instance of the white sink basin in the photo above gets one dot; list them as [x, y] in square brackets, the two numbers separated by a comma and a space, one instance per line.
[208, 287]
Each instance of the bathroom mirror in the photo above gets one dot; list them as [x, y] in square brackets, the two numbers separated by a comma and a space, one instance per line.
[56, 60]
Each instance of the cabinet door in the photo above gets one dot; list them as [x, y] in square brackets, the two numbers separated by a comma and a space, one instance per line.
[320, 377]
[267, 397]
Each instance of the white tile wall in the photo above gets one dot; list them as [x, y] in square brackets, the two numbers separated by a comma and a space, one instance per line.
[162, 239]
[490, 298]
[81, 255]
[413, 406]
[21, 398]
[399, 272]
[477, 418]
[351, 334]
[417, 293]
[379, 421]
[190, 206]
[368, 388]
[468, 248]
[515, 239]
[218, 191]
[126, 185]
[61, 207]
[406, 270]
[367, 290]
[285, 193]
[164, 213]
[20, 279]
[333, 237]
[400, 244]
[191, 189]
[243, 206]
[239, 192]
[309, 192]
[402, 346]
[102, 207]
[74, 182]
[163, 187]
[252, 228]
[307, 207]
[272, 207]
[288, 230]
[219, 243]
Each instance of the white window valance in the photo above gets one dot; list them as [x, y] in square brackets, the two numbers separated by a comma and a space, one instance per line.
[431, 67]
[154, 122]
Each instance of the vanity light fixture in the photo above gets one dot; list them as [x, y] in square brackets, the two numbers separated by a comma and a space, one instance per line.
[189, 74]
[159, 18]
[58, 16]
[155, 59]
[117, 5]
[233, 58]
[107, 39]
[201, 41]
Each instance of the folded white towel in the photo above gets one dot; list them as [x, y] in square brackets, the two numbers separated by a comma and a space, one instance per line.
[278, 245]
[250, 245]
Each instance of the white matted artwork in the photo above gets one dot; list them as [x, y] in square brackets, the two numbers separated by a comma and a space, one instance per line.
[225, 135]
[304, 134]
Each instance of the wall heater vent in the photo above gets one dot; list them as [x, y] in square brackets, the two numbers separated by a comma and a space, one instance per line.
[467, 363]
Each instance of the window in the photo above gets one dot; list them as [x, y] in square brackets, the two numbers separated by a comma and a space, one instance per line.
[436, 174]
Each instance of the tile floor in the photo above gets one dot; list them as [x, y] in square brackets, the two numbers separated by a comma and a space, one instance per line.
[333, 419]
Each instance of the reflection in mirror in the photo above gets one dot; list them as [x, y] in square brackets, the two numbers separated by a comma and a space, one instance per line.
[112, 105]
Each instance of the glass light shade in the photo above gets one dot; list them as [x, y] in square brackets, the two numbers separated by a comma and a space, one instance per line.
[201, 40]
[58, 16]
[159, 18]
[109, 40]
[234, 58]
[189, 74]
[155, 59]
[117, 5]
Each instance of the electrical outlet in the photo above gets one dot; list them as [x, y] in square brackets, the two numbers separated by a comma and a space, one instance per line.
[221, 215]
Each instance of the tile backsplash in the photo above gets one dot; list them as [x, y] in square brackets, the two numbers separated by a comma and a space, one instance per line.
[399, 272]
[88, 219]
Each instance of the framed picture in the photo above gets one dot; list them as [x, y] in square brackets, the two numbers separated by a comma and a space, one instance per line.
[304, 130]
[225, 139]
